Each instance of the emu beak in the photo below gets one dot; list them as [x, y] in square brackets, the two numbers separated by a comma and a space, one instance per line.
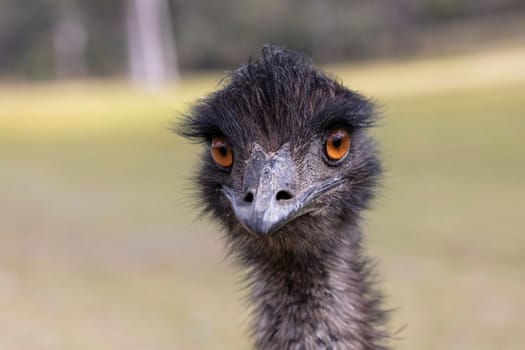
[268, 201]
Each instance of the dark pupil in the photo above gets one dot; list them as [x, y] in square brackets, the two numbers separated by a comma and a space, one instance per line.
[336, 141]
[223, 151]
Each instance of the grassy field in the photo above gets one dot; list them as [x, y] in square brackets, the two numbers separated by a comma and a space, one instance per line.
[99, 248]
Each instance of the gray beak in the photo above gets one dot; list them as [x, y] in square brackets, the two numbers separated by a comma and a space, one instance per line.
[268, 201]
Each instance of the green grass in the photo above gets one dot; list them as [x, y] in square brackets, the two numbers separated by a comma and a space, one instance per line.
[99, 248]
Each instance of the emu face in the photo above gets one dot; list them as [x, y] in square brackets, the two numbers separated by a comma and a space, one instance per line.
[287, 154]
[269, 198]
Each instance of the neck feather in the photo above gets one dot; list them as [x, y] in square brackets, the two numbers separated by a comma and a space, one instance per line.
[322, 301]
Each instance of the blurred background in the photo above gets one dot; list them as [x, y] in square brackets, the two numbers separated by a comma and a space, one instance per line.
[99, 246]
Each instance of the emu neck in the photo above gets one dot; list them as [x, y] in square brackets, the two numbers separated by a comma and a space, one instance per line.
[317, 302]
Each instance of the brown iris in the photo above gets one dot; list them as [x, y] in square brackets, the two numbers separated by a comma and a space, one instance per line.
[337, 144]
[221, 152]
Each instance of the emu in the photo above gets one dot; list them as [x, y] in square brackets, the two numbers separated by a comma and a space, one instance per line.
[287, 169]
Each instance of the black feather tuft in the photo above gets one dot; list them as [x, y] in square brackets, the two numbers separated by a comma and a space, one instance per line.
[278, 96]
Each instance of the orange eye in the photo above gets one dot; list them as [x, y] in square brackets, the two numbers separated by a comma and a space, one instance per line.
[337, 144]
[221, 152]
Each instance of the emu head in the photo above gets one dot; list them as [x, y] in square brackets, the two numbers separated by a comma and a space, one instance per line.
[288, 164]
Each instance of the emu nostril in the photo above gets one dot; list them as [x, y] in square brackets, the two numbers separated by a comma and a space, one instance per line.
[249, 197]
[283, 195]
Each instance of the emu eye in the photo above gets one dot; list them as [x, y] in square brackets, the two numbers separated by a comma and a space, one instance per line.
[221, 152]
[337, 144]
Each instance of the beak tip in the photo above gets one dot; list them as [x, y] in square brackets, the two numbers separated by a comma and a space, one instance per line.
[260, 228]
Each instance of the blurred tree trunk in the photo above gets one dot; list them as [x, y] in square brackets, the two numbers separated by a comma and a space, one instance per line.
[151, 46]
